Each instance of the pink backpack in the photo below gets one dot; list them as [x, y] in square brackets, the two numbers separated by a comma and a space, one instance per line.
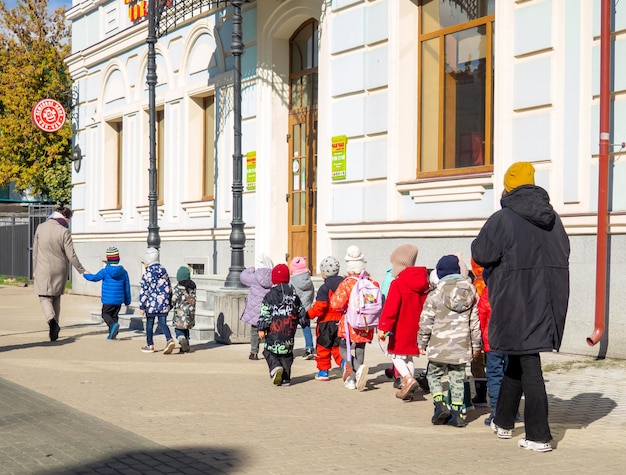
[365, 304]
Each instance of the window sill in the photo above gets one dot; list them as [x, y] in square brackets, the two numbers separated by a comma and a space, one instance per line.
[458, 189]
[111, 215]
[144, 212]
[198, 209]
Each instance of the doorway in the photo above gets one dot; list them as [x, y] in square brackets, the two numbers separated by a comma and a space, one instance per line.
[302, 138]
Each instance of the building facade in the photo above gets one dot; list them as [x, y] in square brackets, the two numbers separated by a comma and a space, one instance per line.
[367, 122]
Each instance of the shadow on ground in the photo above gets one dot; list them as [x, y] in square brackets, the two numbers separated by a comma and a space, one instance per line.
[196, 460]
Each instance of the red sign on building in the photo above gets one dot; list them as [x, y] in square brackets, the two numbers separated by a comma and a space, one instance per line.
[48, 115]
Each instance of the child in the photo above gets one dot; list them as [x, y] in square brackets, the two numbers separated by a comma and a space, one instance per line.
[184, 306]
[327, 319]
[478, 366]
[115, 290]
[155, 295]
[281, 311]
[400, 315]
[259, 280]
[302, 283]
[355, 264]
[449, 336]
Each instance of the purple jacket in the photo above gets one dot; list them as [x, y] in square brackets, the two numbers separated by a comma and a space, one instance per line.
[260, 282]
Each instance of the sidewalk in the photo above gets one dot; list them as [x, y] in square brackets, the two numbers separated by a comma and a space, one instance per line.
[84, 404]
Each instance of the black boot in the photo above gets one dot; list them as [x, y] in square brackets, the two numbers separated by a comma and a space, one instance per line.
[441, 414]
[480, 400]
[457, 419]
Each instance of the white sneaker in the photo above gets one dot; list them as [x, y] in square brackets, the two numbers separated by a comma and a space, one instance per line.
[361, 377]
[536, 446]
[500, 432]
[350, 383]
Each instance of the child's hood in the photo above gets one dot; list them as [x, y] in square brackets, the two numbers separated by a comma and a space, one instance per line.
[415, 279]
[156, 270]
[187, 284]
[457, 293]
[116, 272]
[263, 276]
[302, 281]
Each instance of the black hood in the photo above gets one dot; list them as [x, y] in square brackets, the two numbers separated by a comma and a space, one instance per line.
[531, 203]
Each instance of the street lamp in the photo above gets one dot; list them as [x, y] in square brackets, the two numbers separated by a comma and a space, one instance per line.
[154, 240]
[180, 10]
[237, 235]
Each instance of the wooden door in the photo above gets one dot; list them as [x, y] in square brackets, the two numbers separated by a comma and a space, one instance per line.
[302, 195]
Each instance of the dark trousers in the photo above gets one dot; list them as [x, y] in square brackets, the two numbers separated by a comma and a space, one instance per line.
[110, 313]
[276, 361]
[523, 375]
[495, 365]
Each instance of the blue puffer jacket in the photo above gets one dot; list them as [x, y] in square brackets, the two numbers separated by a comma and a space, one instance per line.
[115, 284]
[155, 294]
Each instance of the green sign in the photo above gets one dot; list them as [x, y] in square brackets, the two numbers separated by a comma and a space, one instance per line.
[339, 143]
[251, 171]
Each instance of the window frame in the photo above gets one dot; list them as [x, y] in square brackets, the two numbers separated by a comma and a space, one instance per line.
[488, 22]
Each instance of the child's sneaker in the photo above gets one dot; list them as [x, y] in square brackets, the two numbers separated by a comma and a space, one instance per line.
[389, 373]
[286, 382]
[488, 420]
[322, 375]
[536, 446]
[441, 414]
[253, 356]
[350, 383]
[422, 380]
[308, 354]
[148, 349]
[361, 377]
[500, 432]
[183, 343]
[169, 347]
[277, 375]
[115, 328]
[346, 369]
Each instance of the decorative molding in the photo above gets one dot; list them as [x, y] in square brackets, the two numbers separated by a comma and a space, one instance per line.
[468, 189]
[111, 215]
[198, 209]
[144, 212]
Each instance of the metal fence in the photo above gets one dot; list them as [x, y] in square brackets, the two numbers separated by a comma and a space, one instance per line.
[16, 240]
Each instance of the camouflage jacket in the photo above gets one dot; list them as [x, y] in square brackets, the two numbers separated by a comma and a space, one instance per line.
[449, 326]
[184, 305]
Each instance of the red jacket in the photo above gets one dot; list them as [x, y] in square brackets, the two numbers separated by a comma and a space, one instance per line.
[402, 309]
[484, 313]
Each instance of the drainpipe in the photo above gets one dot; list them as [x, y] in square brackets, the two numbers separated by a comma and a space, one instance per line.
[603, 174]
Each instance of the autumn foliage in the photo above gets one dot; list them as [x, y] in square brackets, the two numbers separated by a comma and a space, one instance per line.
[33, 45]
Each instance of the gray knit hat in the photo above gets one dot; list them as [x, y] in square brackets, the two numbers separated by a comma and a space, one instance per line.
[402, 257]
[330, 266]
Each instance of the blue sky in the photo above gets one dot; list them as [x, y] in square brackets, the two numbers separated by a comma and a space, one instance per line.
[53, 4]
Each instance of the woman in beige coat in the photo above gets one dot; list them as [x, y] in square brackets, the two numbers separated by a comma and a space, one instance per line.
[52, 250]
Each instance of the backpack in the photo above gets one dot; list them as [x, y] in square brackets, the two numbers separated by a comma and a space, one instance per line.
[365, 304]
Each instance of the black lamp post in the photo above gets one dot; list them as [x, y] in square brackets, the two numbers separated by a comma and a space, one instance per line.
[237, 235]
[154, 240]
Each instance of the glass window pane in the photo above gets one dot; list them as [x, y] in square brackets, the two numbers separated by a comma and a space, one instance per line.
[464, 98]
[295, 218]
[429, 112]
[303, 201]
[296, 140]
[438, 14]
[296, 93]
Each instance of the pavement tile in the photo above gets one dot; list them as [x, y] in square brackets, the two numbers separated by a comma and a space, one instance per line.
[85, 404]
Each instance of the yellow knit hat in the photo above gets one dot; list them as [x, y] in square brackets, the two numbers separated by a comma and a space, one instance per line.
[518, 174]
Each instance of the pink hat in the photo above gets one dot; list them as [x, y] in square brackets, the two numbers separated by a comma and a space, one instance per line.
[298, 265]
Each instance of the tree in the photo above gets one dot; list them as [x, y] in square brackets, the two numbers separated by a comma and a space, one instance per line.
[33, 45]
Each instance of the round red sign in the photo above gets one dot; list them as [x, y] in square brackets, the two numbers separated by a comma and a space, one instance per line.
[48, 115]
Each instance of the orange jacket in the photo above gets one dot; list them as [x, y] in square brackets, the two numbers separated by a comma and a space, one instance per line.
[339, 302]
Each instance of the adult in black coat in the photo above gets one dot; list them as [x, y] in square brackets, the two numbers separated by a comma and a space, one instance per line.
[528, 248]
